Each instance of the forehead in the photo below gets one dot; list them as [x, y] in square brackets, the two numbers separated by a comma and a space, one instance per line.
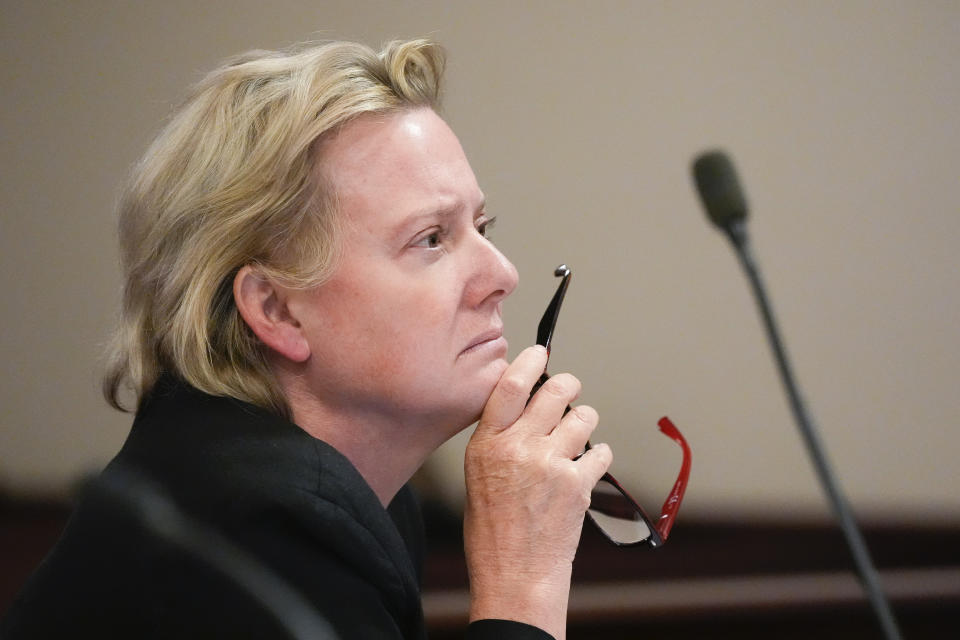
[388, 165]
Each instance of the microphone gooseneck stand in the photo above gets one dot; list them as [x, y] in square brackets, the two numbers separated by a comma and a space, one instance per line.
[726, 206]
[858, 548]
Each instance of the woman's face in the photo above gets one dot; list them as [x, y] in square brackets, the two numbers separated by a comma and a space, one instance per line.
[409, 326]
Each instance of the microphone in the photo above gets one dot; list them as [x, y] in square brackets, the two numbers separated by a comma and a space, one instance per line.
[719, 189]
[726, 206]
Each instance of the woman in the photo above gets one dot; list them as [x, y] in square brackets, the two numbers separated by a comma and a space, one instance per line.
[311, 307]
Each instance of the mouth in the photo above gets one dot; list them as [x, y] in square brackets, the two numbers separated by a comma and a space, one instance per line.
[488, 339]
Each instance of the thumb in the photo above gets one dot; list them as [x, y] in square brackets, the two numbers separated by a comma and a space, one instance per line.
[512, 392]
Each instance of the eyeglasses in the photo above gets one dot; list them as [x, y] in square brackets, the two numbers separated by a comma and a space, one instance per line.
[614, 512]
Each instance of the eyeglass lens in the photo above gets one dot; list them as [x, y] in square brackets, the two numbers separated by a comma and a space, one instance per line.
[616, 517]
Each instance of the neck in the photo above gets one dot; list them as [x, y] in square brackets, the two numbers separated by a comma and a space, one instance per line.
[385, 449]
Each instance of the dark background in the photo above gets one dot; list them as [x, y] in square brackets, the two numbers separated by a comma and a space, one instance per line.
[713, 579]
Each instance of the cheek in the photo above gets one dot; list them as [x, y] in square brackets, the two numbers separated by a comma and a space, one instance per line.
[420, 333]
[387, 331]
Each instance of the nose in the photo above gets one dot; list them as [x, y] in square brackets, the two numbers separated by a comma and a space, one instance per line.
[492, 276]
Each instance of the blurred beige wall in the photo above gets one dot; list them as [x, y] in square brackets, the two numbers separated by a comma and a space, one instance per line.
[580, 119]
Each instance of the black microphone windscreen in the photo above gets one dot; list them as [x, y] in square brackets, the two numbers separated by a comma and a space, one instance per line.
[719, 188]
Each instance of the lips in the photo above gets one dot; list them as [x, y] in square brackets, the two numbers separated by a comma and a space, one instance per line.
[484, 338]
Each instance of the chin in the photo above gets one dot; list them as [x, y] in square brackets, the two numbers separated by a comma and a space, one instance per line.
[462, 404]
[490, 376]
[480, 393]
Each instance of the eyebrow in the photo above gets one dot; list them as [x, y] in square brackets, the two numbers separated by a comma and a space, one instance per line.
[427, 213]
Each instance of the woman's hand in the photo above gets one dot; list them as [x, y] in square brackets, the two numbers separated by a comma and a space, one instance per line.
[526, 495]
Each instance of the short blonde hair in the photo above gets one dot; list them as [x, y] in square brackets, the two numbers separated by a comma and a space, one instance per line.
[230, 181]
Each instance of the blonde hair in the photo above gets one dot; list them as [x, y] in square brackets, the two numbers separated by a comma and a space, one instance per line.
[232, 180]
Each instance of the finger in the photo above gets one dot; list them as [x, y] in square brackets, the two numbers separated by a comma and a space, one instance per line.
[594, 463]
[549, 403]
[510, 396]
[571, 435]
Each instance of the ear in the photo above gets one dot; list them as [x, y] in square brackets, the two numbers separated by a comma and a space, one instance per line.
[262, 305]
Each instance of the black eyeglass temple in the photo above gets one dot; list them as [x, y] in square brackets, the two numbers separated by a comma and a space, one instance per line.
[549, 320]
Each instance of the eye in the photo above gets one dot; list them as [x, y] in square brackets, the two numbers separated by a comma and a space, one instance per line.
[484, 225]
[431, 240]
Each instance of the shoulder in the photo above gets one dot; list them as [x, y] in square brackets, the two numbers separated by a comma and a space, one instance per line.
[292, 504]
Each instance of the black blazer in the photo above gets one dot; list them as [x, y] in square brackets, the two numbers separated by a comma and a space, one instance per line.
[291, 501]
